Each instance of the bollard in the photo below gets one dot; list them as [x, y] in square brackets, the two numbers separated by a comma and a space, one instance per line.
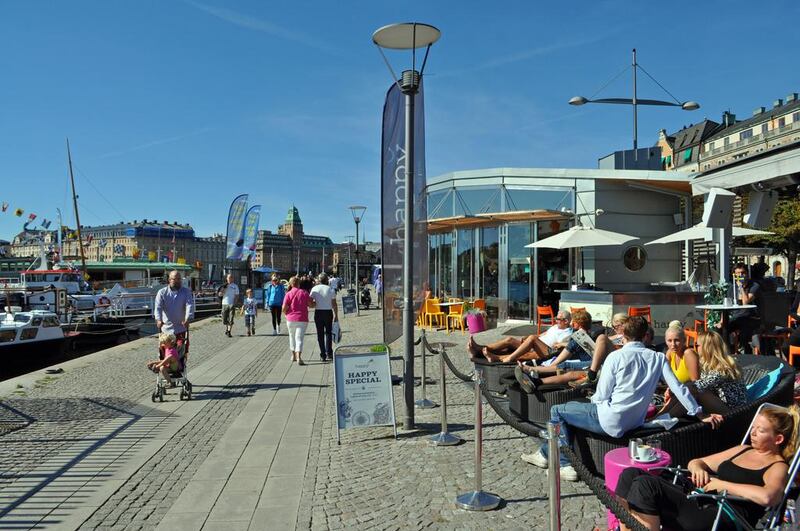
[424, 403]
[554, 473]
[443, 438]
[478, 500]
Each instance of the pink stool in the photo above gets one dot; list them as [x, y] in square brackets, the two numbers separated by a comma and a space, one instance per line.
[616, 461]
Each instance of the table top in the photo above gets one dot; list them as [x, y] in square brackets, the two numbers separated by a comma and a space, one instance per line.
[620, 458]
[725, 307]
[451, 303]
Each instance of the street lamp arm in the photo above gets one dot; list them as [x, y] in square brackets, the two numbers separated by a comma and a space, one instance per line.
[688, 106]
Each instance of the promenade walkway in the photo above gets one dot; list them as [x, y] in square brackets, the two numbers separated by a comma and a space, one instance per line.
[254, 449]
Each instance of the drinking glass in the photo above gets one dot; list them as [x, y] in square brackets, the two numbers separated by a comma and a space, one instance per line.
[655, 444]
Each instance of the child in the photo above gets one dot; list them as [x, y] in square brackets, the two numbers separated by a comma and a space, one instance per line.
[249, 310]
[170, 360]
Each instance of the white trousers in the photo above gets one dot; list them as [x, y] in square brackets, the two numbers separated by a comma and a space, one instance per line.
[297, 329]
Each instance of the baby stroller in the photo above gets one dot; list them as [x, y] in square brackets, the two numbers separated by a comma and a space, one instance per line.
[179, 377]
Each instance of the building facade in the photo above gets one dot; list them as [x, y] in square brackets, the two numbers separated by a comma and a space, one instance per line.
[291, 250]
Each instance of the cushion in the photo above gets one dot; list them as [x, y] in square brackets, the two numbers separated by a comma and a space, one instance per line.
[763, 385]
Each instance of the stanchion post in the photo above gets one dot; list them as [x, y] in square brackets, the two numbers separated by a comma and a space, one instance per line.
[424, 403]
[554, 474]
[478, 500]
[443, 438]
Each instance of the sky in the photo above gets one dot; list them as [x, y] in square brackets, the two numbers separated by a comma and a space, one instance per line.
[174, 107]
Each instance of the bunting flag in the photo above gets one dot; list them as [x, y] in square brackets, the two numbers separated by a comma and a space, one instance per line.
[89, 239]
[46, 223]
[31, 217]
[251, 231]
[5, 206]
[235, 236]
[119, 249]
[18, 212]
[103, 243]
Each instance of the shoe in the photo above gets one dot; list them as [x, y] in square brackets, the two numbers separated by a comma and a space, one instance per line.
[274, 332]
[248, 334]
[301, 362]
[584, 385]
[568, 473]
[526, 382]
[536, 459]
[254, 331]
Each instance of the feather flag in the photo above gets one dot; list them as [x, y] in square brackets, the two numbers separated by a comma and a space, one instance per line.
[235, 236]
[251, 231]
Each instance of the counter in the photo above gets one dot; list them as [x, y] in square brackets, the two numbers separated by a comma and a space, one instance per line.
[665, 306]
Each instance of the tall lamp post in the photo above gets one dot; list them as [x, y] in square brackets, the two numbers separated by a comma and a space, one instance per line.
[408, 36]
[348, 274]
[358, 215]
[635, 102]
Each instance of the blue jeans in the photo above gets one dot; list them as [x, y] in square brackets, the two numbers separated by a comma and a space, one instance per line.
[579, 414]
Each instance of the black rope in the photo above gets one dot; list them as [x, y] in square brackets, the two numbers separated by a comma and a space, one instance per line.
[460, 375]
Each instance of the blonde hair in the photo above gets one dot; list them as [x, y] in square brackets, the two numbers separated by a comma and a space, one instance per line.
[618, 319]
[785, 422]
[293, 282]
[714, 355]
[677, 327]
[167, 338]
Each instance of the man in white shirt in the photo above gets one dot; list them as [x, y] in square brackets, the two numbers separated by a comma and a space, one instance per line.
[625, 388]
[325, 313]
[533, 347]
[230, 296]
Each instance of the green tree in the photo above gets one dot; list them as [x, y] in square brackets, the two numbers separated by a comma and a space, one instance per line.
[786, 238]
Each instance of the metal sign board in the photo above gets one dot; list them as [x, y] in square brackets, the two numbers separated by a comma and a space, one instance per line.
[349, 304]
[363, 387]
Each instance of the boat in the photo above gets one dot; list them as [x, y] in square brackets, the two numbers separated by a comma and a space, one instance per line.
[33, 333]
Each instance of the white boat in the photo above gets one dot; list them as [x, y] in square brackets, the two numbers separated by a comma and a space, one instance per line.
[36, 332]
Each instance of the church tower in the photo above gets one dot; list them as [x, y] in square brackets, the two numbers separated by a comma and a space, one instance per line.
[293, 227]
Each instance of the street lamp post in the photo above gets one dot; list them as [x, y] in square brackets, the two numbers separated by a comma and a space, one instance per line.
[358, 215]
[635, 102]
[408, 36]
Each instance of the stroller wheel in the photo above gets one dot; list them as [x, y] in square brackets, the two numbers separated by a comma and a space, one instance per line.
[161, 394]
[183, 394]
[188, 386]
[154, 396]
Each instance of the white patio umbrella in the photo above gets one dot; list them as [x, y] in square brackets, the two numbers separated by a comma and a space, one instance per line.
[700, 231]
[581, 236]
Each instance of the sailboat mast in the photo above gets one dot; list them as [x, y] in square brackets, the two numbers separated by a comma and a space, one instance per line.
[75, 206]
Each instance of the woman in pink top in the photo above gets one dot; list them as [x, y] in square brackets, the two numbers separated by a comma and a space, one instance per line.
[295, 308]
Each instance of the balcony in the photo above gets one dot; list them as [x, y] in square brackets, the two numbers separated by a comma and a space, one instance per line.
[788, 134]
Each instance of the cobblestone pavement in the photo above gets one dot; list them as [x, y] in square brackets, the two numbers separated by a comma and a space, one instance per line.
[94, 424]
[374, 482]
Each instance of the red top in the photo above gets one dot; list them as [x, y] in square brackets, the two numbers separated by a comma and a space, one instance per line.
[296, 304]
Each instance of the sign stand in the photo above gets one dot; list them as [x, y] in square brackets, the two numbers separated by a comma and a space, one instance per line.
[362, 384]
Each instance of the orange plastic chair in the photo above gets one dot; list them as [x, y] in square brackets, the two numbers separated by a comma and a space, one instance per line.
[573, 310]
[542, 313]
[640, 311]
[479, 304]
[793, 351]
[456, 317]
[432, 311]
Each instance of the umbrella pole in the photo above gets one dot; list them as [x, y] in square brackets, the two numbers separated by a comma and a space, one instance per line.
[583, 271]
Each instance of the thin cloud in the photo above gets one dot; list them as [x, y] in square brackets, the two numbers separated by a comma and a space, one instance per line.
[524, 55]
[154, 143]
[263, 26]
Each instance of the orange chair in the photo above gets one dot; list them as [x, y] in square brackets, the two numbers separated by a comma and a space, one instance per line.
[432, 311]
[542, 313]
[640, 311]
[573, 310]
[479, 304]
[693, 334]
[793, 351]
[456, 317]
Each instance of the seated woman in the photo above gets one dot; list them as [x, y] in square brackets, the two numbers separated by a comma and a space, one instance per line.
[719, 388]
[757, 472]
[533, 347]
[682, 359]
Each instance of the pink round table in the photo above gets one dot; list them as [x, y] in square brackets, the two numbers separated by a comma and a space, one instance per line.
[618, 460]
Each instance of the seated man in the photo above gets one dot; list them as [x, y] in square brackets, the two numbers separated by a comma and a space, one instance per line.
[624, 391]
[533, 347]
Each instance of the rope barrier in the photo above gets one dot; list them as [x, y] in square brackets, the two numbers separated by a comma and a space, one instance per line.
[595, 484]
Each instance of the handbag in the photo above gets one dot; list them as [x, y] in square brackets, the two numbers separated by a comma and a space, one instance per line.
[336, 332]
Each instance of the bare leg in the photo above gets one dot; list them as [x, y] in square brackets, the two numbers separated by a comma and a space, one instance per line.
[602, 348]
[165, 375]
[531, 348]
[504, 346]
[567, 377]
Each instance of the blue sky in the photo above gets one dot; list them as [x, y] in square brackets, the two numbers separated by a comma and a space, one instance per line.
[174, 107]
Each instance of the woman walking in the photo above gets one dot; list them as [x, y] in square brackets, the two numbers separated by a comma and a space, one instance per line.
[274, 295]
[295, 307]
[325, 313]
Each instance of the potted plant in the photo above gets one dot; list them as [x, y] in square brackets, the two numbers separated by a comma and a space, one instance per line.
[716, 294]
[476, 320]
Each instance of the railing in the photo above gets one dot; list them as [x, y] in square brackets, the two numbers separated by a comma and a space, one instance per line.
[761, 138]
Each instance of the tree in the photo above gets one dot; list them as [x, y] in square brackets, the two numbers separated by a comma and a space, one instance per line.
[786, 238]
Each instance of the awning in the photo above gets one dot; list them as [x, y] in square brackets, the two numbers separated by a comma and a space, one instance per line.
[494, 219]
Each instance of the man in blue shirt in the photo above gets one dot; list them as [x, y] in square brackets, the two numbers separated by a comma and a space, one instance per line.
[625, 389]
[174, 307]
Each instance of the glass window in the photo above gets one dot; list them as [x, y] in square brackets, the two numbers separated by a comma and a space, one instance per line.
[747, 133]
[440, 204]
[764, 129]
[464, 248]
[537, 199]
[490, 268]
[7, 336]
[519, 271]
[726, 141]
[634, 258]
[781, 121]
[28, 333]
[796, 117]
[51, 321]
[477, 200]
[36, 321]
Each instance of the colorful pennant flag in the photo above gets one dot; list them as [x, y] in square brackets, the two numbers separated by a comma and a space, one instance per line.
[46, 223]
[5, 206]
[31, 217]
[18, 212]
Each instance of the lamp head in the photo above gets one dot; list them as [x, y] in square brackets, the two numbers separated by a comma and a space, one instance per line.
[406, 36]
[578, 100]
[358, 212]
[690, 106]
